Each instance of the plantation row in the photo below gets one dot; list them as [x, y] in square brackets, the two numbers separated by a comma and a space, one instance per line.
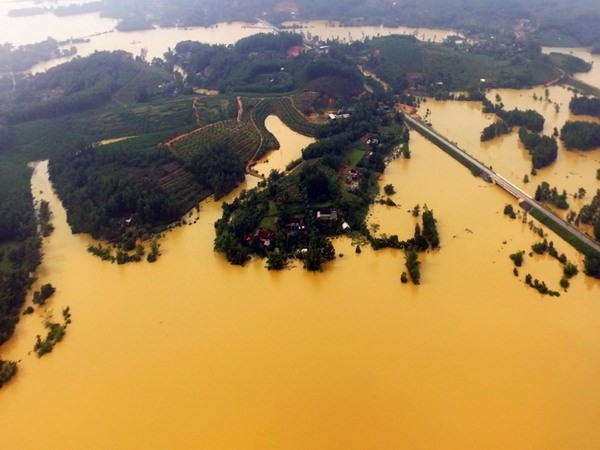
[211, 109]
[259, 113]
[242, 137]
[287, 112]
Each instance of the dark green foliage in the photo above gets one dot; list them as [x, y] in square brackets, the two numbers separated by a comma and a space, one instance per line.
[569, 63]
[56, 333]
[495, 129]
[430, 231]
[589, 106]
[389, 189]
[544, 193]
[543, 149]
[412, 265]
[592, 264]
[83, 83]
[219, 168]
[403, 278]
[45, 292]
[581, 135]
[8, 369]
[21, 58]
[318, 185]
[509, 211]
[517, 258]
[275, 261]
[540, 286]
[110, 190]
[134, 23]
[44, 215]
[154, 250]
[20, 244]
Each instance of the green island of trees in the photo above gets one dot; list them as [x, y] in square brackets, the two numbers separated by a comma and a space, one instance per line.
[581, 105]
[581, 135]
[543, 149]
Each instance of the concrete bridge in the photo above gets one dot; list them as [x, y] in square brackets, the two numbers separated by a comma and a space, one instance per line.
[487, 173]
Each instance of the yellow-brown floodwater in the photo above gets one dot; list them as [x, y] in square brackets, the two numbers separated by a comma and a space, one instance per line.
[462, 122]
[324, 30]
[291, 145]
[190, 352]
[593, 76]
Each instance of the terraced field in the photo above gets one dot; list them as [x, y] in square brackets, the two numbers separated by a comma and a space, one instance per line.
[242, 136]
[183, 187]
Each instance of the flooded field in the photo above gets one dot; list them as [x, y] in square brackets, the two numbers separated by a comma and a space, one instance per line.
[191, 351]
[506, 154]
[324, 30]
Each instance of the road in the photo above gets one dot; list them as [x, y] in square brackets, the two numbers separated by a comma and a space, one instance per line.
[505, 184]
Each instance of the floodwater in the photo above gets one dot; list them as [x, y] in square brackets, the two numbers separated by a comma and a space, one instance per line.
[506, 154]
[102, 34]
[324, 30]
[593, 76]
[291, 146]
[190, 352]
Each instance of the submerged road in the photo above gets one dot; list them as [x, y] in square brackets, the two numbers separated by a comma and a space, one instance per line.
[502, 182]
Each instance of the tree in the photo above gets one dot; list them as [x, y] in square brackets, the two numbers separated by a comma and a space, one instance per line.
[430, 231]
[389, 189]
[412, 265]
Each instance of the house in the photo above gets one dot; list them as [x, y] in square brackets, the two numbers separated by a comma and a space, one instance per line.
[265, 237]
[327, 215]
[294, 225]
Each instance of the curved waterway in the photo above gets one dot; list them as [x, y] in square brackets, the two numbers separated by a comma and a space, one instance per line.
[291, 146]
[190, 352]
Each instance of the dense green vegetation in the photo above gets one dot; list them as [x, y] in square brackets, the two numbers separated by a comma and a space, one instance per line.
[56, 333]
[494, 130]
[581, 135]
[8, 369]
[291, 216]
[554, 22]
[544, 193]
[404, 62]
[529, 119]
[22, 58]
[569, 63]
[590, 214]
[543, 149]
[585, 106]
[19, 242]
[110, 190]
[260, 64]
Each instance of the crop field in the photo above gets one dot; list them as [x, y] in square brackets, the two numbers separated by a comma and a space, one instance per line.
[241, 136]
[211, 109]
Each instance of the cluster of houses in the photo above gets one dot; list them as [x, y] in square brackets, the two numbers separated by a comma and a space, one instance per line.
[295, 226]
